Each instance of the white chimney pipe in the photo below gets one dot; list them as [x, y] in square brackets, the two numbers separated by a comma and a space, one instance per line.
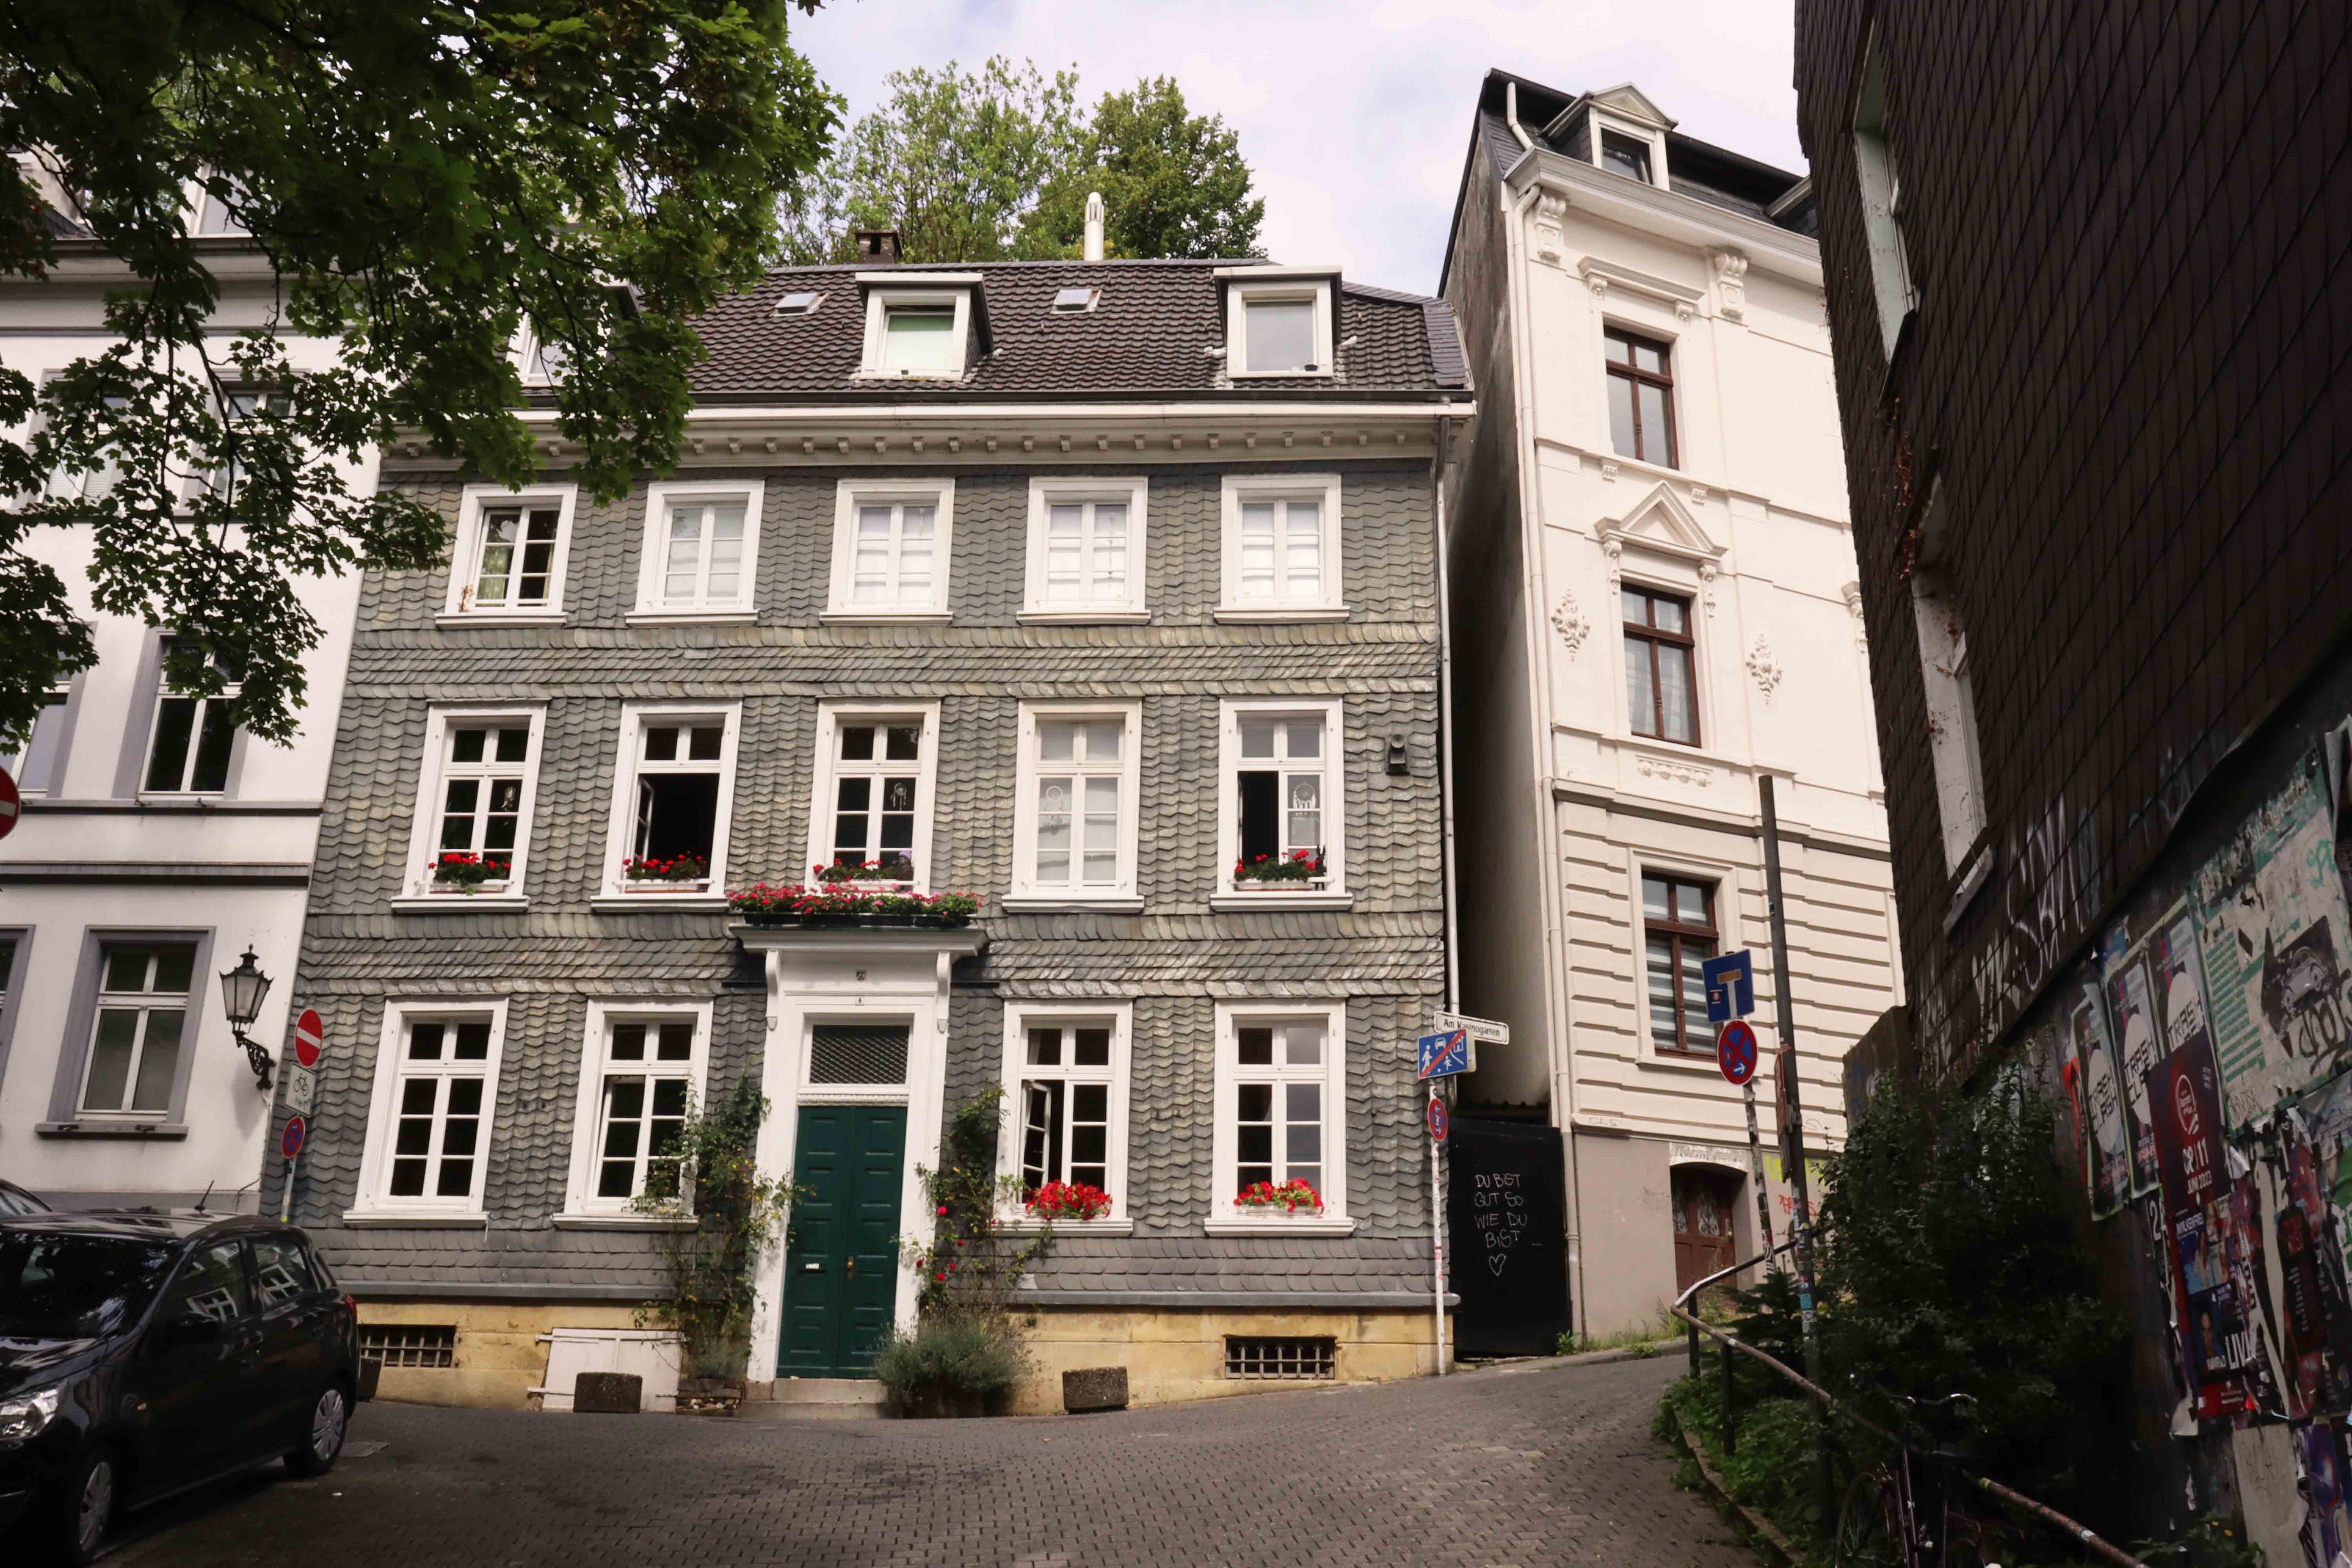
[1094, 226]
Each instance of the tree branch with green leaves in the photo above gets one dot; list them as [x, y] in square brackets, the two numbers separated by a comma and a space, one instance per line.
[423, 187]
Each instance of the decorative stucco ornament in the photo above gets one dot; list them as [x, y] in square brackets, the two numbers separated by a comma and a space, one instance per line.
[1570, 623]
[1764, 666]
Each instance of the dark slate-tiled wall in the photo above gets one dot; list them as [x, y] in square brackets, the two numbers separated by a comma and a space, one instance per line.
[1384, 958]
[2131, 226]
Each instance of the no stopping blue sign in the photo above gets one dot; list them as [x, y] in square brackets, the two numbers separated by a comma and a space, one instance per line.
[1735, 1051]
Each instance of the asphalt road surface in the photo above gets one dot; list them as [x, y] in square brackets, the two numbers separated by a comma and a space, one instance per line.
[1526, 1465]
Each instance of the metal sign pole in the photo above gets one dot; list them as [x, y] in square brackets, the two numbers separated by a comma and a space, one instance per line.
[1437, 1241]
[1784, 1008]
[286, 1194]
[1756, 1174]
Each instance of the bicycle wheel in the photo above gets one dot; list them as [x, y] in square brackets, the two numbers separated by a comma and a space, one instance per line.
[1870, 1532]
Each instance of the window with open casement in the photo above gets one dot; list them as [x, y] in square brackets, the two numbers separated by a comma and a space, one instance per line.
[193, 733]
[672, 800]
[1641, 398]
[1066, 1077]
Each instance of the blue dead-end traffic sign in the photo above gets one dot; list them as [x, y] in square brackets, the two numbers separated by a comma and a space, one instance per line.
[1443, 1056]
[1730, 982]
[1735, 1051]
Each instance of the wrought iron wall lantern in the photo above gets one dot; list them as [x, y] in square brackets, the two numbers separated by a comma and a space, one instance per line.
[242, 990]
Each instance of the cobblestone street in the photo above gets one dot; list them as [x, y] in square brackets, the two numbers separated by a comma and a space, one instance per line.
[1514, 1465]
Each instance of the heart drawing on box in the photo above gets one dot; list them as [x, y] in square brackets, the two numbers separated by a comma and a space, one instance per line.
[1501, 1215]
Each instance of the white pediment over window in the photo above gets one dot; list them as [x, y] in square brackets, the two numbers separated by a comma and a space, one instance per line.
[1631, 102]
[1660, 522]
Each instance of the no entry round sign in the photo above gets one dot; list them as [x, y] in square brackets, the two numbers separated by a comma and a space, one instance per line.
[309, 1038]
[1735, 1051]
[12, 805]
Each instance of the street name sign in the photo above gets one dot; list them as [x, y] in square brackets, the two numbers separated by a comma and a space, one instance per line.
[1486, 1031]
[1730, 982]
[1445, 1055]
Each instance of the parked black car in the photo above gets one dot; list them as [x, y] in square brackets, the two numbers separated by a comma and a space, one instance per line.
[15, 1200]
[144, 1353]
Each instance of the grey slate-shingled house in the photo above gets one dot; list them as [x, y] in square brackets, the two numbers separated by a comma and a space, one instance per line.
[1068, 585]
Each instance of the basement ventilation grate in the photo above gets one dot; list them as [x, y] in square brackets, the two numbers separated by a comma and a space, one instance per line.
[409, 1344]
[1263, 1357]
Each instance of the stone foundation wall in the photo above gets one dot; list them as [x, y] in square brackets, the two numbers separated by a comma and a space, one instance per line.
[1179, 1353]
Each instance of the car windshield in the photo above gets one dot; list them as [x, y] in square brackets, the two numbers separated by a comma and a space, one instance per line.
[68, 1286]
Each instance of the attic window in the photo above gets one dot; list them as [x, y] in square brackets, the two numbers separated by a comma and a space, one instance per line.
[802, 303]
[1075, 302]
[1626, 155]
[1279, 326]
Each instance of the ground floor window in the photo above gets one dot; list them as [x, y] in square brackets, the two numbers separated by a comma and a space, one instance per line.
[1261, 1356]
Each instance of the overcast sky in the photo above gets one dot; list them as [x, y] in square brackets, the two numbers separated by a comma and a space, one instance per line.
[1354, 114]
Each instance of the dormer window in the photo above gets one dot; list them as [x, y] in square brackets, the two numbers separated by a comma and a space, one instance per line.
[918, 333]
[1278, 324]
[1624, 155]
[919, 340]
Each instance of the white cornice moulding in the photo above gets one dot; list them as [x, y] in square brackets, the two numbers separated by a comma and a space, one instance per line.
[1668, 215]
[1609, 274]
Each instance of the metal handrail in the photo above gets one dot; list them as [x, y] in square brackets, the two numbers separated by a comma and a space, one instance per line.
[1829, 1401]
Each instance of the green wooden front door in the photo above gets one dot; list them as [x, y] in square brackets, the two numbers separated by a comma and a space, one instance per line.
[840, 1263]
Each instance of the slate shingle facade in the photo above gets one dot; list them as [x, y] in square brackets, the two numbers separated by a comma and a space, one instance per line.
[1383, 956]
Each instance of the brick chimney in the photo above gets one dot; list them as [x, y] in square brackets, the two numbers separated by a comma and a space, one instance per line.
[879, 245]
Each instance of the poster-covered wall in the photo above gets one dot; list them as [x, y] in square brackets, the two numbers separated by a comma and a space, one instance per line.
[2205, 1048]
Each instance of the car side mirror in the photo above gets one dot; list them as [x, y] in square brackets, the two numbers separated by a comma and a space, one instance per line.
[194, 1329]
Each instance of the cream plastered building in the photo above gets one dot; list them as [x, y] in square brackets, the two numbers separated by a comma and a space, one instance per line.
[1654, 587]
[157, 843]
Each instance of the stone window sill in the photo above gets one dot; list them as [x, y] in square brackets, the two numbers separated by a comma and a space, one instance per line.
[99, 1128]
[885, 618]
[626, 903]
[381, 1219]
[1024, 1225]
[501, 618]
[622, 1222]
[1317, 899]
[1037, 904]
[690, 617]
[1322, 1224]
[460, 904]
[1253, 614]
[1080, 617]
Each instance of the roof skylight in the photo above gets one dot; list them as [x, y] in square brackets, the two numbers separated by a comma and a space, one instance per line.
[803, 303]
[1075, 302]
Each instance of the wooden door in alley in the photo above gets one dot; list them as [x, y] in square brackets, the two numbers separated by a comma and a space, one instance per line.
[841, 1260]
[1703, 1202]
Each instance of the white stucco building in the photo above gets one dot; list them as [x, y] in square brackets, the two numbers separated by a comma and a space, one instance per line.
[156, 845]
[1654, 588]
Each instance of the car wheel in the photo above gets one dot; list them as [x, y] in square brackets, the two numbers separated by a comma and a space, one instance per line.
[322, 1435]
[85, 1507]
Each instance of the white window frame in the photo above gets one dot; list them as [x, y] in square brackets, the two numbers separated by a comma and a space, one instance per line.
[1879, 183]
[465, 560]
[851, 494]
[166, 692]
[653, 608]
[146, 1003]
[1269, 285]
[51, 736]
[1225, 1217]
[1731, 885]
[1946, 682]
[1333, 893]
[1124, 896]
[1328, 605]
[1019, 1018]
[374, 1202]
[636, 718]
[830, 718]
[956, 294]
[418, 892]
[580, 1203]
[1633, 130]
[1130, 605]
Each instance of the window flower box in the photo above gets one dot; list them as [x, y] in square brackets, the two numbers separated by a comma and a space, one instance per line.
[676, 874]
[846, 904]
[1068, 1200]
[1300, 868]
[1291, 1197]
[461, 873]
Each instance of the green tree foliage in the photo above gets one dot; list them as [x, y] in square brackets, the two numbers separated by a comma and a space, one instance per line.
[1173, 183]
[425, 182]
[1949, 1266]
[995, 164]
